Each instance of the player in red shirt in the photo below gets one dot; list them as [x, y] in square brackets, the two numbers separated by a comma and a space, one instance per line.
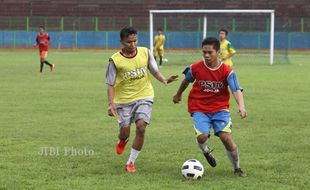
[208, 101]
[42, 41]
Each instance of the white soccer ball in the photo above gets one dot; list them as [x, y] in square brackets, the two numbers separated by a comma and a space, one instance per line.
[192, 169]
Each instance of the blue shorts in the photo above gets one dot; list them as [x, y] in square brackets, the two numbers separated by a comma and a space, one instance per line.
[220, 121]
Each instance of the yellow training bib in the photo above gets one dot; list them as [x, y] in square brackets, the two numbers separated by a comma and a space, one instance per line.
[132, 79]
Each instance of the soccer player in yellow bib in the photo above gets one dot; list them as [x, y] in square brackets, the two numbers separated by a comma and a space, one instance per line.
[159, 42]
[130, 92]
[227, 49]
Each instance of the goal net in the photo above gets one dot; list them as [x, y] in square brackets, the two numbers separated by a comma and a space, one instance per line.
[251, 32]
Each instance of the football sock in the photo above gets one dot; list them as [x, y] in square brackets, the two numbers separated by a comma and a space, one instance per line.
[133, 156]
[47, 63]
[41, 66]
[204, 147]
[234, 158]
[160, 60]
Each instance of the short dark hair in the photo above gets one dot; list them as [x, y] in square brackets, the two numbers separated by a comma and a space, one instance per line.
[159, 29]
[224, 30]
[41, 26]
[127, 31]
[211, 41]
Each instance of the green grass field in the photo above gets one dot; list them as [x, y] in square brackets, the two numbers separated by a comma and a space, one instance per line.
[67, 109]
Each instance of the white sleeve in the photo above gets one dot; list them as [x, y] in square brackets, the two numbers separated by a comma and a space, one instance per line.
[152, 63]
[111, 72]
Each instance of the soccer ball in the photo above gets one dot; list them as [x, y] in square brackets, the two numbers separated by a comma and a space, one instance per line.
[192, 169]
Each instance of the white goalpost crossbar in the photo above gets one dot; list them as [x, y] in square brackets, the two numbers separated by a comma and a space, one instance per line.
[271, 12]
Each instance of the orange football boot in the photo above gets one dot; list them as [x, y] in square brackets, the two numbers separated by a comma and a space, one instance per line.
[130, 168]
[120, 146]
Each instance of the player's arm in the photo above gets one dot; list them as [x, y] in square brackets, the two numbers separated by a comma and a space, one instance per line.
[240, 101]
[155, 41]
[237, 92]
[178, 96]
[164, 40]
[37, 42]
[231, 51]
[110, 81]
[48, 39]
[228, 56]
[188, 79]
[152, 65]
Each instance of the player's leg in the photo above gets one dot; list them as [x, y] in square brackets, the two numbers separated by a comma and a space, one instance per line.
[222, 128]
[202, 127]
[41, 66]
[232, 152]
[161, 53]
[140, 131]
[48, 63]
[42, 59]
[142, 117]
[160, 60]
[52, 66]
[124, 122]
[136, 146]
[155, 54]
[123, 136]
[44, 55]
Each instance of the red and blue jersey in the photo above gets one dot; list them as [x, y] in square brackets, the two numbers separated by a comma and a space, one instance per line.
[42, 41]
[210, 93]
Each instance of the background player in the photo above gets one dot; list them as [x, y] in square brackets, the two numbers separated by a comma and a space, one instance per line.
[159, 43]
[130, 92]
[227, 49]
[208, 101]
[42, 41]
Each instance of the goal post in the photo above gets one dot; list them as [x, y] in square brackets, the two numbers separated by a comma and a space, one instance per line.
[205, 24]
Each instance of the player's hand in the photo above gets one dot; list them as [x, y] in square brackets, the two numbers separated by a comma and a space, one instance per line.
[172, 79]
[242, 112]
[177, 99]
[112, 110]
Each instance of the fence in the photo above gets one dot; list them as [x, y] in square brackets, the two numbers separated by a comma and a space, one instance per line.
[110, 39]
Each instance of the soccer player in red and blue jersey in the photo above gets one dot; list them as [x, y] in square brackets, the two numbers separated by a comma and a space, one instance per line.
[42, 41]
[208, 101]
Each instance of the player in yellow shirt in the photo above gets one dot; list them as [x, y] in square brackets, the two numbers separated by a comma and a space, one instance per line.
[130, 92]
[159, 43]
[227, 49]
